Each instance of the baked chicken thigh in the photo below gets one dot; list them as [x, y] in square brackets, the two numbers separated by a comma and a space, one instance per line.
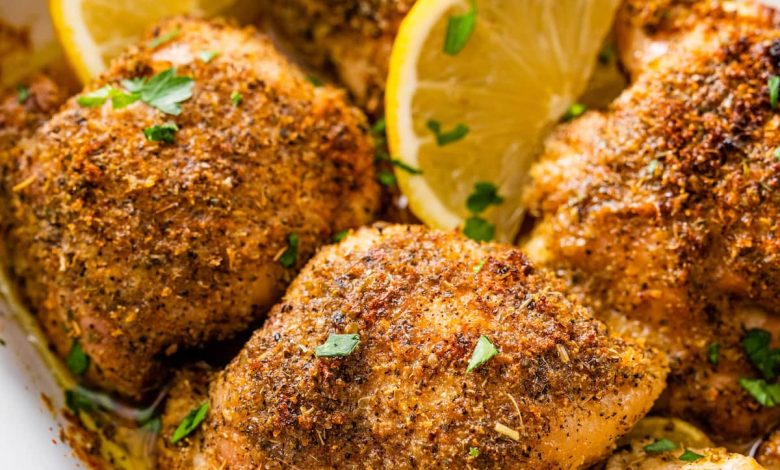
[549, 388]
[662, 214]
[170, 204]
[353, 38]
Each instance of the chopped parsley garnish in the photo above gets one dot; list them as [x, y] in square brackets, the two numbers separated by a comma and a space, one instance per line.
[651, 167]
[76, 401]
[756, 344]
[190, 422]
[774, 90]
[764, 393]
[78, 361]
[713, 353]
[690, 456]
[153, 426]
[660, 446]
[607, 54]
[380, 126]
[207, 56]
[22, 93]
[119, 99]
[445, 138]
[165, 133]
[290, 255]
[459, 30]
[236, 98]
[777, 153]
[314, 80]
[474, 452]
[576, 110]
[340, 235]
[483, 352]
[160, 40]
[479, 266]
[485, 195]
[165, 91]
[407, 168]
[338, 345]
[479, 229]
[387, 178]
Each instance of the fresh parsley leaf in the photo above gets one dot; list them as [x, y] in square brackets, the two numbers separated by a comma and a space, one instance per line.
[485, 194]
[474, 452]
[340, 235]
[607, 54]
[764, 393]
[713, 353]
[380, 126]
[165, 91]
[78, 361]
[207, 56]
[660, 446]
[165, 133]
[338, 345]
[459, 30]
[445, 138]
[236, 98]
[756, 345]
[95, 98]
[314, 80]
[387, 178]
[483, 352]
[290, 255]
[76, 401]
[22, 93]
[120, 99]
[153, 426]
[479, 229]
[690, 456]
[774, 90]
[479, 266]
[777, 153]
[576, 110]
[160, 40]
[407, 168]
[651, 167]
[190, 422]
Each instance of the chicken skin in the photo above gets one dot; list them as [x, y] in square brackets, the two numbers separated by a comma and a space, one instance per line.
[353, 38]
[133, 247]
[558, 393]
[662, 213]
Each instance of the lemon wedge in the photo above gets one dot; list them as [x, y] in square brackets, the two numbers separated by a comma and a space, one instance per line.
[93, 32]
[676, 430]
[473, 88]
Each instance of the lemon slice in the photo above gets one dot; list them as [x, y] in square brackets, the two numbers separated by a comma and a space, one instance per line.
[676, 430]
[523, 65]
[93, 32]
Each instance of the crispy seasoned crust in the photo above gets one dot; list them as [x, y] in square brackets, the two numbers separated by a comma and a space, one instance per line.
[662, 213]
[352, 37]
[22, 111]
[137, 248]
[419, 303]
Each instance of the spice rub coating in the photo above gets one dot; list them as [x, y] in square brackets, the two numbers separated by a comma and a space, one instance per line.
[354, 38]
[137, 249]
[662, 213]
[419, 300]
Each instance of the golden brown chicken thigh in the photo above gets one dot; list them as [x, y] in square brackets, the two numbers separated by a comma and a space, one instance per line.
[133, 248]
[558, 394]
[354, 38]
[662, 213]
